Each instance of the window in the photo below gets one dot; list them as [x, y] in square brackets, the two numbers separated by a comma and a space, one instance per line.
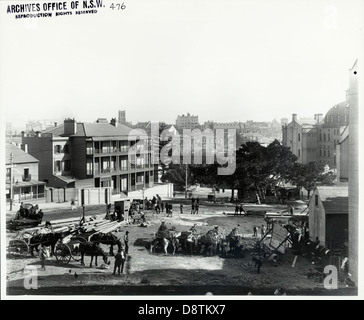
[57, 166]
[140, 177]
[320, 153]
[26, 172]
[338, 118]
[89, 168]
[324, 153]
[328, 153]
[299, 137]
[320, 136]
[57, 149]
[299, 152]
[324, 136]
[316, 200]
[124, 184]
[328, 137]
[124, 164]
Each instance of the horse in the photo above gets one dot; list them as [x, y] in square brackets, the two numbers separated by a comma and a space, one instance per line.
[107, 239]
[210, 241]
[94, 250]
[104, 238]
[164, 242]
[164, 237]
[188, 241]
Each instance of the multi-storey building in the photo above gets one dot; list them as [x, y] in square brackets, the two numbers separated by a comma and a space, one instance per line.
[317, 142]
[93, 155]
[187, 122]
[22, 175]
[335, 122]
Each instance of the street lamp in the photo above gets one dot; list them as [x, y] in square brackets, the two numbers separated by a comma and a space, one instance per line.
[143, 190]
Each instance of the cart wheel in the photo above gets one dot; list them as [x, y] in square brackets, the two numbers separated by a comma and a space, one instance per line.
[18, 248]
[76, 254]
[63, 253]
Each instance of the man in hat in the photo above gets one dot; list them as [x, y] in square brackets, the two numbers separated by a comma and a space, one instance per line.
[119, 261]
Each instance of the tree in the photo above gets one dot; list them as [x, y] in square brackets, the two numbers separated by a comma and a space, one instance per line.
[310, 175]
[257, 168]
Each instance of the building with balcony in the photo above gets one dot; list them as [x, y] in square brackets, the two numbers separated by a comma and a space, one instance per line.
[93, 155]
[22, 175]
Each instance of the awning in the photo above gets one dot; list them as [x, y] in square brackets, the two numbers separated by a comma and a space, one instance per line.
[23, 184]
[66, 179]
[111, 138]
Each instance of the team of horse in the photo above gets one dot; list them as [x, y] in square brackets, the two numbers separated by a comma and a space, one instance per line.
[190, 242]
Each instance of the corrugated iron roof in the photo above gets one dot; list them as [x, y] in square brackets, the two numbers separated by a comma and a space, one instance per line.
[19, 155]
[335, 199]
[94, 130]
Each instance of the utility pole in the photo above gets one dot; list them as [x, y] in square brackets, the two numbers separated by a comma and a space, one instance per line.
[11, 180]
[186, 182]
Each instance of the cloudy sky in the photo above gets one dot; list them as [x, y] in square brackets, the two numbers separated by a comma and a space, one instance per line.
[221, 60]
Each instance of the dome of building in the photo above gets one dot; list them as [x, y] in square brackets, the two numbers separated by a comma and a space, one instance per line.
[337, 116]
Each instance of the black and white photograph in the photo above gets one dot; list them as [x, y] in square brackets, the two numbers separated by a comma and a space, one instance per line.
[164, 150]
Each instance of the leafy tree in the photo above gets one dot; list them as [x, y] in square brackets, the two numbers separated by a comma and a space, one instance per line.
[311, 175]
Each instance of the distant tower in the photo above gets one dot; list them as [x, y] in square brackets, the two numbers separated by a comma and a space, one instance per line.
[121, 117]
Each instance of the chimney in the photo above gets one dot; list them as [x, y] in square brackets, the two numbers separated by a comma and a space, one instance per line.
[38, 134]
[70, 126]
[294, 117]
[318, 117]
[113, 122]
[55, 124]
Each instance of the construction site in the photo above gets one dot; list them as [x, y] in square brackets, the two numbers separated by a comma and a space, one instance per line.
[263, 251]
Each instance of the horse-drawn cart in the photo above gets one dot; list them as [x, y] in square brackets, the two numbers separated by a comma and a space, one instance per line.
[64, 252]
[86, 241]
[18, 247]
[27, 216]
[27, 240]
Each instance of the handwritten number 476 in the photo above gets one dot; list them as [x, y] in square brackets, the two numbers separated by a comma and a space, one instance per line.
[118, 6]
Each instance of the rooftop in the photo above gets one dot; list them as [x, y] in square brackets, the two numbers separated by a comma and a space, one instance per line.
[94, 130]
[19, 156]
[334, 198]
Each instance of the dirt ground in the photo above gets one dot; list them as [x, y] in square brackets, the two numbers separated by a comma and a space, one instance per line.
[148, 273]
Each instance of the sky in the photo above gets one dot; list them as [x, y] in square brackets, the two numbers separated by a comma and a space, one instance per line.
[221, 60]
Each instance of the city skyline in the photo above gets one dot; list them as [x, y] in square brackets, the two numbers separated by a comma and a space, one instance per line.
[223, 62]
